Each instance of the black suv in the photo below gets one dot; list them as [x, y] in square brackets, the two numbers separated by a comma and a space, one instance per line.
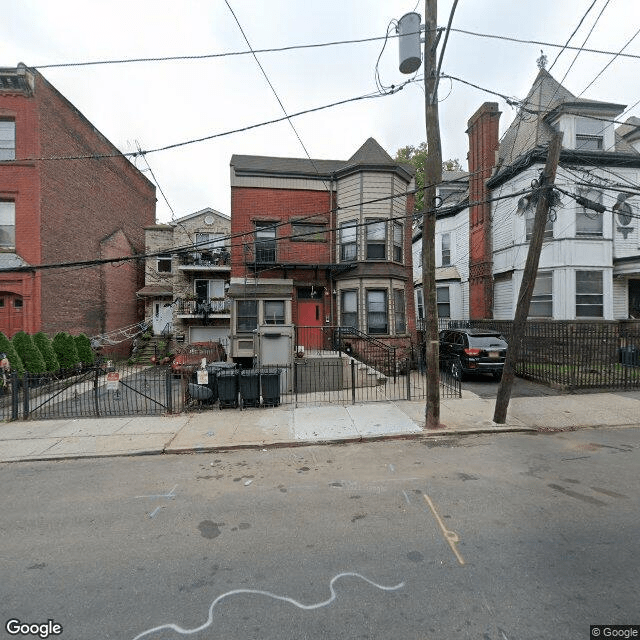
[472, 351]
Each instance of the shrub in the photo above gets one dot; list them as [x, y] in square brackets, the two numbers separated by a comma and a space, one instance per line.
[29, 354]
[83, 347]
[65, 348]
[43, 342]
[12, 354]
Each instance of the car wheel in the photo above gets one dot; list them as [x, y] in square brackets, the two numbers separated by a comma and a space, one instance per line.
[455, 368]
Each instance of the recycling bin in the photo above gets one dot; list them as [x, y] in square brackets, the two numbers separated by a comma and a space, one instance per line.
[270, 383]
[227, 380]
[250, 388]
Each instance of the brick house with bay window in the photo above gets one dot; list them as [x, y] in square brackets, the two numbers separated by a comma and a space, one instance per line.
[319, 243]
[54, 209]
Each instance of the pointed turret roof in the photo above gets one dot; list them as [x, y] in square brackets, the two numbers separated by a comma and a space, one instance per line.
[371, 153]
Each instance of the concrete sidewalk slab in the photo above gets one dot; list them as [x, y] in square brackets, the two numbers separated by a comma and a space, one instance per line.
[331, 422]
[371, 421]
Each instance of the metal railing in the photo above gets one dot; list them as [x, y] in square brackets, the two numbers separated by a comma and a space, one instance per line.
[572, 354]
[201, 308]
[205, 258]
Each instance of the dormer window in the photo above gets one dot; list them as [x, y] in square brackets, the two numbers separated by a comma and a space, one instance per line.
[589, 134]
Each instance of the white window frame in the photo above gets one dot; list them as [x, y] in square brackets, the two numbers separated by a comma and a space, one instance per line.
[399, 311]
[377, 329]
[349, 250]
[445, 250]
[589, 296]
[529, 220]
[268, 314]
[541, 305]
[7, 224]
[349, 308]
[7, 139]
[373, 239]
[443, 301]
[589, 222]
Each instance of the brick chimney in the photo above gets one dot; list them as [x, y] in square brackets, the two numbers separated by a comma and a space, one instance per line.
[483, 144]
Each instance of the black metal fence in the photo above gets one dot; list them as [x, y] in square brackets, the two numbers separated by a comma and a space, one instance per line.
[94, 392]
[573, 355]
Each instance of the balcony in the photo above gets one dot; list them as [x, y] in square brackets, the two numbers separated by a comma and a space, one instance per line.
[214, 308]
[202, 260]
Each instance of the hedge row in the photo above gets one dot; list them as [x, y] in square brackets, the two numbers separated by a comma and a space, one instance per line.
[40, 354]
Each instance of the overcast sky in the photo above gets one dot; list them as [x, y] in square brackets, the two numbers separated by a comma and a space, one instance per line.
[160, 103]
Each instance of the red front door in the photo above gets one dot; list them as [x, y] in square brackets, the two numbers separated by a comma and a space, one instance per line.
[310, 322]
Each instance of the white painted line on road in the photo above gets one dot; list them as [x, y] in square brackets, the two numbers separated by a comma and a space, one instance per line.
[169, 495]
[451, 537]
[153, 513]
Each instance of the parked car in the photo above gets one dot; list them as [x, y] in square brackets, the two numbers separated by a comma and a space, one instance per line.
[472, 351]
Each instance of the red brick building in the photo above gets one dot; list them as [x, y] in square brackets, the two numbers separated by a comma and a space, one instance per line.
[56, 209]
[322, 243]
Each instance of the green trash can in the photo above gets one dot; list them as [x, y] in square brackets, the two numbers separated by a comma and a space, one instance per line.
[270, 383]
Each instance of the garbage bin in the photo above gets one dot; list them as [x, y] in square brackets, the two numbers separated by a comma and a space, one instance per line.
[270, 383]
[212, 369]
[250, 388]
[630, 356]
[200, 392]
[227, 380]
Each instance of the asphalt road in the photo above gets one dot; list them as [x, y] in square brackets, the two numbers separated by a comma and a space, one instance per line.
[491, 537]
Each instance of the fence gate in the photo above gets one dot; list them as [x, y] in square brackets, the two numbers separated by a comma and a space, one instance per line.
[95, 392]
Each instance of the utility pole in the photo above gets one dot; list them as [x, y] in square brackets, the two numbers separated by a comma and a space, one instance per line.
[528, 277]
[432, 177]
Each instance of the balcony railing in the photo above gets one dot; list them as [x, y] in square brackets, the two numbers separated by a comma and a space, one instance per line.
[205, 258]
[202, 308]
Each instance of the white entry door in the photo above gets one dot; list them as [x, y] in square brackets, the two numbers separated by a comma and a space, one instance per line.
[162, 315]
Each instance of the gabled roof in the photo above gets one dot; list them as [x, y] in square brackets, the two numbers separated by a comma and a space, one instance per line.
[369, 155]
[207, 211]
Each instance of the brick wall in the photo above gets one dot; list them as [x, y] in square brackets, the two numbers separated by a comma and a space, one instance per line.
[85, 204]
[483, 144]
[278, 205]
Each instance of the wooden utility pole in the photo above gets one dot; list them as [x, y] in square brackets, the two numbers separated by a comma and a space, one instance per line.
[432, 177]
[528, 277]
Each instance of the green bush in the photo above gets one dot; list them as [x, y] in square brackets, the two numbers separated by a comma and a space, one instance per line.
[83, 347]
[29, 354]
[65, 347]
[14, 358]
[43, 342]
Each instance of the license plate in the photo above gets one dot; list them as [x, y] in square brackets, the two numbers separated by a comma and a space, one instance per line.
[494, 354]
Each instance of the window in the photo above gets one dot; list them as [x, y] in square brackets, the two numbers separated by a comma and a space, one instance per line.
[589, 298]
[397, 242]
[306, 232]
[420, 304]
[589, 222]
[7, 140]
[7, 225]
[348, 241]
[17, 303]
[542, 298]
[377, 312]
[265, 242]
[446, 249]
[247, 315]
[274, 311]
[443, 302]
[209, 289]
[399, 311]
[529, 217]
[210, 240]
[164, 263]
[589, 134]
[349, 309]
[376, 240]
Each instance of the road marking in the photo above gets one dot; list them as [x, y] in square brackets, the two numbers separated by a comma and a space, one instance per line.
[169, 495]
[153, 513]
[306, 607]
[450, 536]
[406, 497]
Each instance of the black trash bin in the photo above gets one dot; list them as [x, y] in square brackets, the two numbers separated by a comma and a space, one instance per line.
[250, 388]
[270, 383]
[630, 356]
[227, 380]
[212, 369]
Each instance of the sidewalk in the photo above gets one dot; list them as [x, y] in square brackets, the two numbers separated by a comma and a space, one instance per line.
[217, 430]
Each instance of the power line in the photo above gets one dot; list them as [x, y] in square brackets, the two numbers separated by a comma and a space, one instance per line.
[275, 93]
[586, 13]
[546, 44]
[606, 66]
[99, 156]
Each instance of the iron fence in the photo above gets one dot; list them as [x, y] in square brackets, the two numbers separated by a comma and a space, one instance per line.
[93, 392]
[572, 355]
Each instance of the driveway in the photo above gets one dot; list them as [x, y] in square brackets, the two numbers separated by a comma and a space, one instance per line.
[485, 386]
